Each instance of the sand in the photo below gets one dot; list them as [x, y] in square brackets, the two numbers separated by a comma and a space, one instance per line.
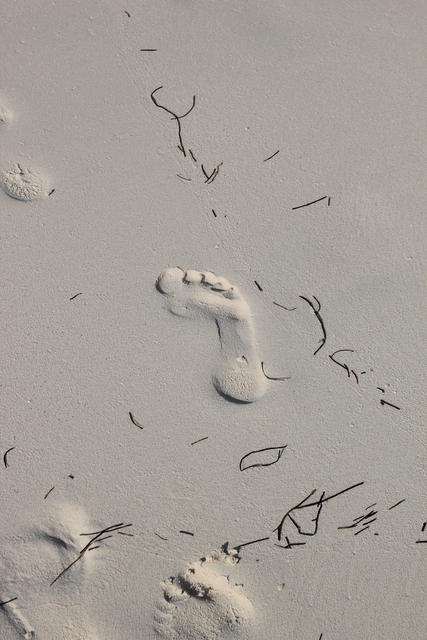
[213, 311]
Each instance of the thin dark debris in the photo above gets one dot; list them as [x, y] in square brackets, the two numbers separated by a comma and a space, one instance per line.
[127, 13]
[272, 156]
[361, 530]
[135, 421]
[75, 296]
[282, 307]
[246, 544]
[159, 536]
[50, 491]
[97, 537]
[289, 544]
[279, 450]
[304, 504]
[397, 504]
[340, 364]
[192, 155]
[183, 178]
[5, 457]
[187, 533]
[174, 117]
[213, 211]
[201, 440]
[258, 285]
[271, 378]
[383, 402]
[320, 319]
[148, 49]
[8, 601]
[51, 191]
[309, 203]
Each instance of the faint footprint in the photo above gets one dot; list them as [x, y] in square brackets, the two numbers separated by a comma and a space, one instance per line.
[5, 115]
[29, 563]
[22, 184]
[201, 603]
[191, 292]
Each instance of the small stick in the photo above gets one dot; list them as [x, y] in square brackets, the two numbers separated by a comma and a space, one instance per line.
[272, 156]
[309, 203]
[383, 402]
[75, 296]
[159, 536]
[127, 13]
[7, 601]
[270, 377]
[245, 544]
[123, 533]
[397, 504]
[51, 191]
[134, 421]
[258, 285]
[364, 529]
[424, 526]
[420, 541]
[329, 201]
[213, 211]
[381, 389]
[192, 155]
[320, 319]
[5, 456]
[50, 491]
[148, 49]
[187, 533]
[183, 178]
[201, 440]
[282, 307]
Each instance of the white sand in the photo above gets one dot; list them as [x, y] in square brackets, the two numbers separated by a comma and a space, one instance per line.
[339, 89]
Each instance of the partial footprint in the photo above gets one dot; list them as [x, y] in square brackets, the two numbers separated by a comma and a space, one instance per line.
[23, 184]
[192, 292]
[201, 602]
[29, 564]
[5, 115]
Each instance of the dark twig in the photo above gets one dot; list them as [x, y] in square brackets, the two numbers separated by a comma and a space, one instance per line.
[8, 601]
[280, 451]
[271, 378]
[148, 49]
[159, 536]
[5, 457]
[383, 402]
[175, 117]
[187, 533]
[183, 178]
[135, 421]
[192, 155]
[187, 112]
[51, 191]
[309, 203]
[258, 285]
[75, 296]
[361, 530]
[272, 156]
[397, 504]
[246, 544]
[201, 440]
[50, 491]
[420, 541]
[320, 319]
[282, 307]
[213, 211]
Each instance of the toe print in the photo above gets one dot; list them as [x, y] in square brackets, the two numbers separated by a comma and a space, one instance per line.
[191, 292]
[202, 602]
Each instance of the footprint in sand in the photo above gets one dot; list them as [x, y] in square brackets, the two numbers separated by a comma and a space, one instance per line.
[201, 603]
[22, 184]
[192, 293]
[29, 563]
